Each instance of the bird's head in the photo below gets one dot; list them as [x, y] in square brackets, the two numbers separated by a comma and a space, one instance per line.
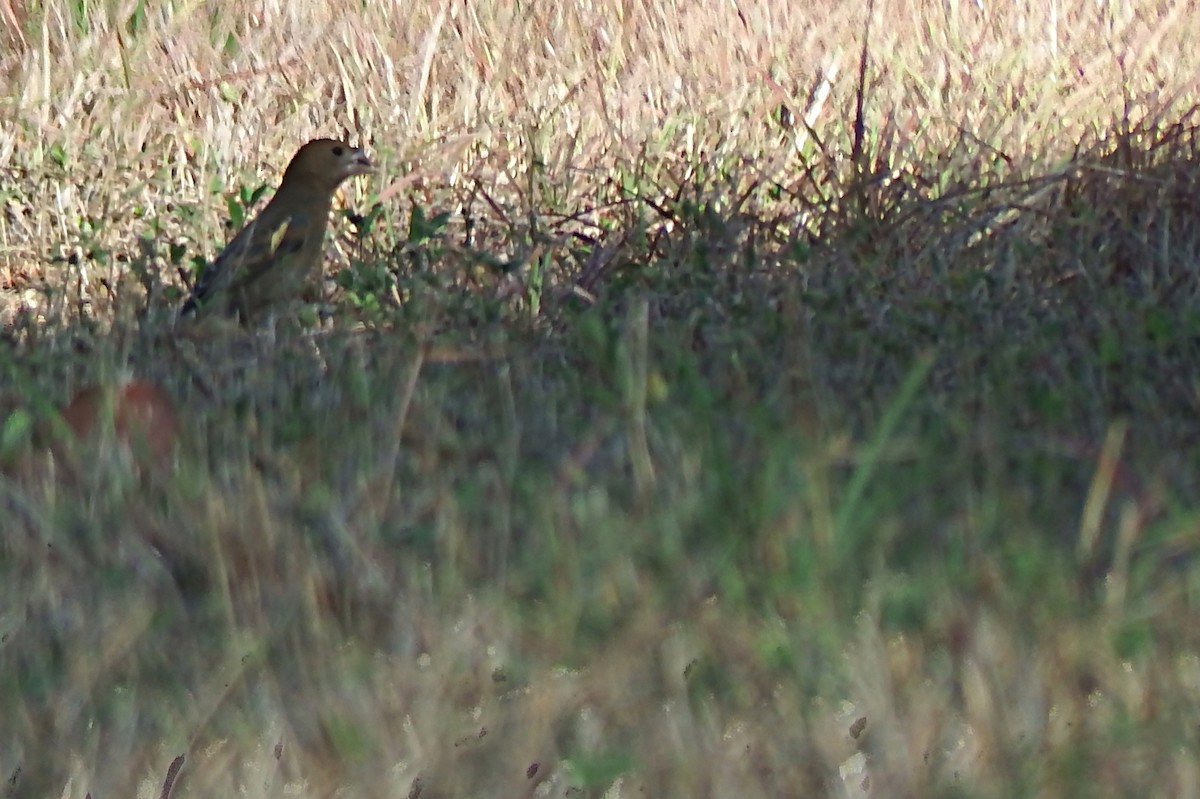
[325, 163]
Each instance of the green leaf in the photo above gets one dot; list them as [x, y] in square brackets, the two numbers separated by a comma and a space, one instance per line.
[421, 228]
[1132, 640]
[58, 155]
[599, 771]
[137, 19]
[1109, 348]
[237, 211]
[1159, 325]
[18, 428]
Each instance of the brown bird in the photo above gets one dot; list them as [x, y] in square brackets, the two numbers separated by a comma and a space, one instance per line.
[279, 251]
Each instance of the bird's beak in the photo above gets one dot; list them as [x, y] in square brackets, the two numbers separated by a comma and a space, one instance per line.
[360, 164]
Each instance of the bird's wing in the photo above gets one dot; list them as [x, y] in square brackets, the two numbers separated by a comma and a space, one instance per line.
[260, 245]
[272, 244]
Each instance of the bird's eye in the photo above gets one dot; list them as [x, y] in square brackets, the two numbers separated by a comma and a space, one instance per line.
[338, 151]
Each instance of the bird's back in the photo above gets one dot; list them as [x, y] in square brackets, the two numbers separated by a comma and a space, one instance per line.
[267, 261]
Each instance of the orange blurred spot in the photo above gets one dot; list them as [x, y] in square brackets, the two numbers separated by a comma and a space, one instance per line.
[139, 414]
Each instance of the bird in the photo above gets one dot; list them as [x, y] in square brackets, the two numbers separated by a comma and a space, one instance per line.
[279, 251]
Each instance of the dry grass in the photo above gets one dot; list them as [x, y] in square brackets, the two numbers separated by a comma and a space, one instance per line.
[715, 448]
[186, 99]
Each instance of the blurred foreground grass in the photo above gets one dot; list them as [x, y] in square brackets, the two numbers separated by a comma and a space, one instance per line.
[652, 446]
